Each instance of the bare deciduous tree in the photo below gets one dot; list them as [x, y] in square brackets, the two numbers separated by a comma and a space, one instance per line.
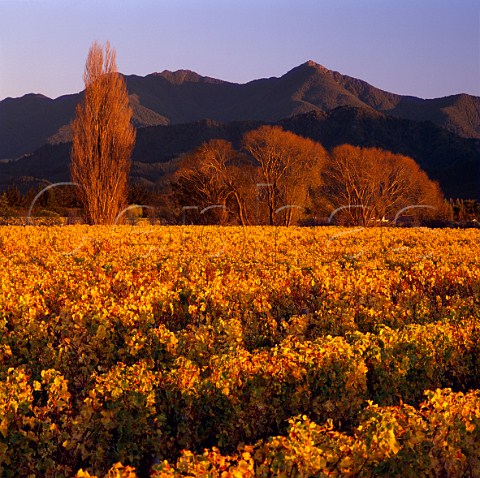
[377, 184]
[103, 138]
[201, 179]
[288, 166]
[216, 175]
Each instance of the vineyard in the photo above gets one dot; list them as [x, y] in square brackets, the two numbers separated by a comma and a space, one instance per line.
[157, 351]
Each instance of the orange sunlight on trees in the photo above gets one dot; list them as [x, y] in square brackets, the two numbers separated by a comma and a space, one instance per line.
[379, 183]
[103, 138]
[288, 166]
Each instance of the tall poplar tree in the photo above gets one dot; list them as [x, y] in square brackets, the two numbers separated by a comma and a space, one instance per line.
[103, 138]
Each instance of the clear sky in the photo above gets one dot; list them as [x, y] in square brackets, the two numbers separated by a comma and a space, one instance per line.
[426, 48]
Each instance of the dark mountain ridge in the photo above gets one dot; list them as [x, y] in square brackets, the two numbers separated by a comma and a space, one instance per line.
[184, 96]
[446, 157]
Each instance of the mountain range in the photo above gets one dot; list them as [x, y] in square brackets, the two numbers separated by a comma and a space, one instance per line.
[176, 111]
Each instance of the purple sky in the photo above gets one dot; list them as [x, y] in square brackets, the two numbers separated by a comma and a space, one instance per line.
[426, 48]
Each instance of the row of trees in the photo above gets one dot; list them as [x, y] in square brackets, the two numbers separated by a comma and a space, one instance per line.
[62, 203]
[274, 170]
[278, 177]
